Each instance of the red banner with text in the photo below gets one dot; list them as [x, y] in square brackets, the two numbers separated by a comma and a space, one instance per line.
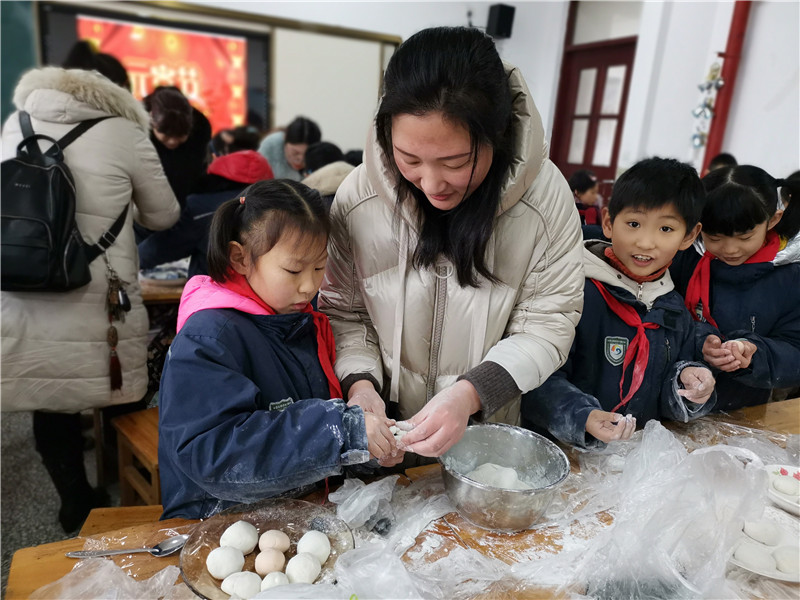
[210, 69]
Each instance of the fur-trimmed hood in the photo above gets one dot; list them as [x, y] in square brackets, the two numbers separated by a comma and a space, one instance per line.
[70, 95]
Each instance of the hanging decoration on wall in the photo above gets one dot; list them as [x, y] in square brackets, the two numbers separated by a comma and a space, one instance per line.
[704, 111]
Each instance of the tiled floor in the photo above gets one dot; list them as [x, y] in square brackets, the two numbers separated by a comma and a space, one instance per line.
[28, 501]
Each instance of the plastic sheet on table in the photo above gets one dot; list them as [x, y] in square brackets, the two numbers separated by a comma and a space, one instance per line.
[100, 578]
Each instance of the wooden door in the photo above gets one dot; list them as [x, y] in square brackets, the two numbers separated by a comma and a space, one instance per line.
[593, 96]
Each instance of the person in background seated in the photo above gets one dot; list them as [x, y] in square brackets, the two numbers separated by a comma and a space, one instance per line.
[325, 169]
[249, 403]
[227, 176]
[56, 359]
[245, 137]
[354, 157]
[633, 358]
[743, 280]
[584, 188]
[723, 159]
[286, 149]
[181, 134]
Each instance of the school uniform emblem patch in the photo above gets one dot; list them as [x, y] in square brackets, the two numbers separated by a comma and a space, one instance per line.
[614, 349]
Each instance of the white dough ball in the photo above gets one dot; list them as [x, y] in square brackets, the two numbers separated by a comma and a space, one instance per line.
[274, 580]
[223, 561]
[303, 568]
[241, 535]
[269, 560]
[787, 559]
[787, 485]
[754, 557]
[274, 539]
[245, 584]
[316, 543]
[499, 477]
[765, 532]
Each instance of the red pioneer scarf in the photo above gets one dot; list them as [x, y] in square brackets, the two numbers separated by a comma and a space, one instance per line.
[638, 351]
[697, 291]
[326, 348]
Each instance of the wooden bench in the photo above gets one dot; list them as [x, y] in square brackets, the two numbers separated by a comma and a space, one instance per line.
[137, 442]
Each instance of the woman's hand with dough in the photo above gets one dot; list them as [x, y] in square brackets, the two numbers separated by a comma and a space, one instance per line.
[442, 421]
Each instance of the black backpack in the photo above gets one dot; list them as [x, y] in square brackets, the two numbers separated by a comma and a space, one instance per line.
[40, 245]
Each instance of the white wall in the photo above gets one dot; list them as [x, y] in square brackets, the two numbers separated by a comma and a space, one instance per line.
[678, 42]
[597, 21]
[764, 121]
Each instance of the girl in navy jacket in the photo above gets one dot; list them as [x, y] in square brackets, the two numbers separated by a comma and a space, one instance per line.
[249, 403]
[745, 280]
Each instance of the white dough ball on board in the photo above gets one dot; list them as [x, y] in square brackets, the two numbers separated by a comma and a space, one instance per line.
[755, 557]
[241, 535]
[787, 485]
[274, 580]
[303, 568]
[223, 561]
[316, 543]
[787, 559]
[269, 560]
[765, 532]
[274, 538]
[244, 584]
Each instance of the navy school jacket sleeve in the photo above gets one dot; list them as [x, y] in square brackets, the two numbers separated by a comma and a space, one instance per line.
[217, 432]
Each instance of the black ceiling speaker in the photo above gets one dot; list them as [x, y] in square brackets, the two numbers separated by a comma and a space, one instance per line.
[501, 18]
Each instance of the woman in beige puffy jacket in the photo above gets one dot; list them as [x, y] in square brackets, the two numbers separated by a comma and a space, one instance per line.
[454, 279]
[55, 353]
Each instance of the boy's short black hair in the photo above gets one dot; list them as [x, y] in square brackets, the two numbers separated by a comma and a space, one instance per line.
[655, 182]
[582, 180]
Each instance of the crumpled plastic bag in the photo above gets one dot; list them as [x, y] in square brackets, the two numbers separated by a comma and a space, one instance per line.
[99, 578]
[676, 516]
[374, 571]
[359, 503]
[304, 591]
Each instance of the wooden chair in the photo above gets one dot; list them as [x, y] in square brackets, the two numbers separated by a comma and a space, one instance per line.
[137, 439]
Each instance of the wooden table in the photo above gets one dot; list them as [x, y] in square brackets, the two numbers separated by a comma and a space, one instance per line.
[31, 568]
[161, 293]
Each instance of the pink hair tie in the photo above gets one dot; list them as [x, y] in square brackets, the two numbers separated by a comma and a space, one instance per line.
[241, 200]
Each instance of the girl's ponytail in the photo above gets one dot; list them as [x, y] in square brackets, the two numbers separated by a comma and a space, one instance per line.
[225, 228]
[789, 225]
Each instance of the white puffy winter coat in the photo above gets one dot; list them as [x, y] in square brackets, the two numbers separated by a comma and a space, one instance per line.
[418, 330]
[54, 350]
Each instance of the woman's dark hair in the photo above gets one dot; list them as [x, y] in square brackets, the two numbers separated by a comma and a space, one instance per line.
[582, 180]
[320, 154]
[742, 197]
[82, 55]
[792, 181]
[170, 111]
[655, 182]
[270, 209]
[457, 72]
[723, 159]
[227, 141]
[302, 131]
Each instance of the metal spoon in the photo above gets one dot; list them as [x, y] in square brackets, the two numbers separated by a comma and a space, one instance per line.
[165, 548]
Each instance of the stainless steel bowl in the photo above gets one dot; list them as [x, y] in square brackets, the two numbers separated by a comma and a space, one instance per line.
[537, 460]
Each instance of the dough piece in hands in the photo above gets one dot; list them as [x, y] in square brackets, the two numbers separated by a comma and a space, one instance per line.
[274, 538]
[244, 584]
[787, 559]
[269, 560]
[754, 557]
[316, 543]
[397, 432]
[787, 485]
[303, 568]
[241, 535]
[765, 532]
[223, 561]
[499, 477]
[274, 580]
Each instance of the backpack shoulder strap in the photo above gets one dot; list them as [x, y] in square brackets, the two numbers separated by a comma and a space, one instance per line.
[31, 143]
[78, 130]
[108, 238]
